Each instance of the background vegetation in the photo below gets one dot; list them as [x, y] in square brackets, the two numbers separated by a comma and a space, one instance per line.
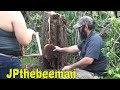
[107, 25]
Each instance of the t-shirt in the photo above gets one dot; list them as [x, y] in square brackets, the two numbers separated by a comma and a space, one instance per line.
[8, 40]
[94, 47]
[8, 43]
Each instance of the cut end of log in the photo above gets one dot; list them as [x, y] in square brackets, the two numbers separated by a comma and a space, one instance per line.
[48, 51]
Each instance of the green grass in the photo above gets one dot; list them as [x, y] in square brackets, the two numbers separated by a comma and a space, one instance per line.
[29, 61]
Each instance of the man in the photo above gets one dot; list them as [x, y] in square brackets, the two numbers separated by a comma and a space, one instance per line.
[92, 51]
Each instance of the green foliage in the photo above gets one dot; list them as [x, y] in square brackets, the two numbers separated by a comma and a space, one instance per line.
[112, 42]
[113, 49]
[113, 72]
[29, 61]
[32, 47]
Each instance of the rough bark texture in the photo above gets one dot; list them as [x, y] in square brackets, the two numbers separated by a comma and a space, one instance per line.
[54, 34]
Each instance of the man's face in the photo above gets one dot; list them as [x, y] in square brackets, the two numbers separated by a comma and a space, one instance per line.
[82, 32]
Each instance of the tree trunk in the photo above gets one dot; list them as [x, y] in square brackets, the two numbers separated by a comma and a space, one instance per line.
[54, 34]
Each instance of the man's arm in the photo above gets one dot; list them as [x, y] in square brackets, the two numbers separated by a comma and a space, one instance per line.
[71, 49]
[80, 64]
[23, 34]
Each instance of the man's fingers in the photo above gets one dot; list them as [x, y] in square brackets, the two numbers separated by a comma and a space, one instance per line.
[35, 33]
[55, 46]
[54, 50]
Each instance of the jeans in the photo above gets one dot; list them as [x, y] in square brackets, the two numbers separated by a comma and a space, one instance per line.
[7, 63]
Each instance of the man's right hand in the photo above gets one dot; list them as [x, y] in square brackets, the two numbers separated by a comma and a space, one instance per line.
[31, 31]
[57, 48]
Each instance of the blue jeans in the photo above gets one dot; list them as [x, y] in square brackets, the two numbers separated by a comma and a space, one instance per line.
[7, 63]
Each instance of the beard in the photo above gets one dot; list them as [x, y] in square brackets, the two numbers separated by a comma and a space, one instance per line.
[83, 35]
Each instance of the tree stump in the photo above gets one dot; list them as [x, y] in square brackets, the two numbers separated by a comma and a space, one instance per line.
[53, 34]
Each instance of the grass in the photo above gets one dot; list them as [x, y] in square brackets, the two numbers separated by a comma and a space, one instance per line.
[29, 61]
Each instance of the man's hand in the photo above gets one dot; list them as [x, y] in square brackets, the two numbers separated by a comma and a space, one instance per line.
[67, 67]
[32, 31]
[57, 49]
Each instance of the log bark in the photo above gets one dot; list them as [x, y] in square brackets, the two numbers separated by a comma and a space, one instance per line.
[54, 34]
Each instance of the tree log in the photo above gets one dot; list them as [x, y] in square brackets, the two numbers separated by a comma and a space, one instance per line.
[54, 34]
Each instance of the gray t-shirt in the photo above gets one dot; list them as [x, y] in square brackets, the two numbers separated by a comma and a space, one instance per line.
[93, 47]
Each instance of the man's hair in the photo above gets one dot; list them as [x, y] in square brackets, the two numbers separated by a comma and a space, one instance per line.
[92, 26]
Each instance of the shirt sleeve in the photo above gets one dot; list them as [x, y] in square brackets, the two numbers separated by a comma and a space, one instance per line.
[93, 49]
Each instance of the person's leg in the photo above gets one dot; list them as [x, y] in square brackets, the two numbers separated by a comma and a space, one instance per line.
[7, 63]
[82, 74]
[3, 67]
